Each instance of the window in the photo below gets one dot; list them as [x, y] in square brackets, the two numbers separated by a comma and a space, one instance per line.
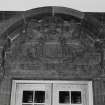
[33, 97]
[27, 97]
[76, 97]
[64, 97]
[51, 93]
[67, 97]
[39, 97]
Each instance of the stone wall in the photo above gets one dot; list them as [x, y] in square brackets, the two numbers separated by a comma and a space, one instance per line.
[58, 50]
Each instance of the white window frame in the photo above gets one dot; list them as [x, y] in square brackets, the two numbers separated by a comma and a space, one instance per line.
[15, 82]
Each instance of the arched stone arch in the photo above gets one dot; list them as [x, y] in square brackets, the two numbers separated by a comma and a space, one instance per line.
[21, 21]
[38, 12]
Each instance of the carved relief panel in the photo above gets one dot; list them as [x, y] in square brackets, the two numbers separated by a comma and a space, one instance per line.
[54, 41]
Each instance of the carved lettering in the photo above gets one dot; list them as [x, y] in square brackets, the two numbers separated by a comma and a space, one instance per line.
[52, 51]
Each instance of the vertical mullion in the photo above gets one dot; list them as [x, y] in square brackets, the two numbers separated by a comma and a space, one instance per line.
[33, 96]
[51, 93]
[70, 96]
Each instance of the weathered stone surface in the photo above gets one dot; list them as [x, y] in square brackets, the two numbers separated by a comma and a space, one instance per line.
[50, 48]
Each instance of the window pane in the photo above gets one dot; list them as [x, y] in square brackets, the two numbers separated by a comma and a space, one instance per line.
[39, 97]
[64, 97]
[27, 96]
[75, 97]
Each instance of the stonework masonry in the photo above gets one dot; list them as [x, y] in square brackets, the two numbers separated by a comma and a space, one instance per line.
[68, 45]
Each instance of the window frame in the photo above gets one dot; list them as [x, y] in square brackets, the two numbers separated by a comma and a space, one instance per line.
[15, 82]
